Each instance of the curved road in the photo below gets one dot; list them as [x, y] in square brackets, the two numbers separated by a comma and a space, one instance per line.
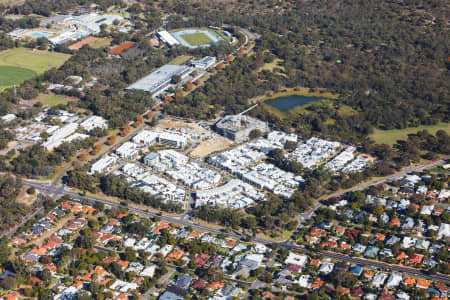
[179, 219]
[288, 245]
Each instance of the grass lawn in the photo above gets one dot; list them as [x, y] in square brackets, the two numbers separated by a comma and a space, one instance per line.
[276, 63]
[180, 60]
[20, 64]
[295, 92]
[37, 60]
[276, 236]
[102, 43]
[196, 39]
[10, 75]
[439, 170]
[52, 100]
[390, 137]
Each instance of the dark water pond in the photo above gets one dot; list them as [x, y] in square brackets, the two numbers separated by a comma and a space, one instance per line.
[289, 102]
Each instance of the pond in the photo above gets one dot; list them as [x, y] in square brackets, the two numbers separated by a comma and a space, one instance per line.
[288, 102]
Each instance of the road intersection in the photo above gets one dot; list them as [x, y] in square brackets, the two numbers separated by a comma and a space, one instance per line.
[184, 220]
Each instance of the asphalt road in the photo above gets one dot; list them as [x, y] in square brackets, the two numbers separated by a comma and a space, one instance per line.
[373, 263]
[180, 220]
[287, 245]
[307, 215]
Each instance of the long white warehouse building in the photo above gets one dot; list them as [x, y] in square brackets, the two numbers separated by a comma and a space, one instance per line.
[57, 138]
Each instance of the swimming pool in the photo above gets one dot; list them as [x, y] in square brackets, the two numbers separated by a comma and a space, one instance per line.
[39, 34]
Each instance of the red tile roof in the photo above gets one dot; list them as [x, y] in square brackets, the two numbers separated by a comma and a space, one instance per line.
[201, 259]
[108, 260]
[416, 258]
[10, 296]
[199, 284]
[215, 285]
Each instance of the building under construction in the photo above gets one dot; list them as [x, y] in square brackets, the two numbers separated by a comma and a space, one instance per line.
[238, 127]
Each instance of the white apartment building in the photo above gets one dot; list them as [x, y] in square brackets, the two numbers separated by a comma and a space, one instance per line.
[195, 176]
[165, 159]
[173, 140]
[235, 194]
[127, 151]
[314, 152]
[103, 165]
[146, 138]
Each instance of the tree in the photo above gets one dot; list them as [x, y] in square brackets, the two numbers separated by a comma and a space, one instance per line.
[45, 294]
[176, 79]
[85, 240]
[46, 275]
[189, 86]
[99, 206]
[44, 135]
[112, 140]
[255, 133]
[83, 157]
[83, 295]
[179, 94]
[220, 66]
[31, 190]
[290, 145]
[8, 283]
[154, 122]
[130, 255]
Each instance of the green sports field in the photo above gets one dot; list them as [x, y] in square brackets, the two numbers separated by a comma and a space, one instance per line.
[196, 39]
[20, 64]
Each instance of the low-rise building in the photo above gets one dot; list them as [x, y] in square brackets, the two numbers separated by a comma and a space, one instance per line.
[8, 118]
[379, 279]
[235, 194]
[238, 127]
[203, 63]
[165, 159]
[94, 122]
[160, 79]
[326, 267]
[314, 152]
[146, 138]
[195, 176]
[172, 140]
[167, 38]
[103, 164]
[57, 138]
[296, 259]
[127, 151]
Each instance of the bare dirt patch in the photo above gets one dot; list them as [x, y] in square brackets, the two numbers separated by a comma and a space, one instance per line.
[16, 145]
[207, 147]
[25, 198]
[208, 141]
